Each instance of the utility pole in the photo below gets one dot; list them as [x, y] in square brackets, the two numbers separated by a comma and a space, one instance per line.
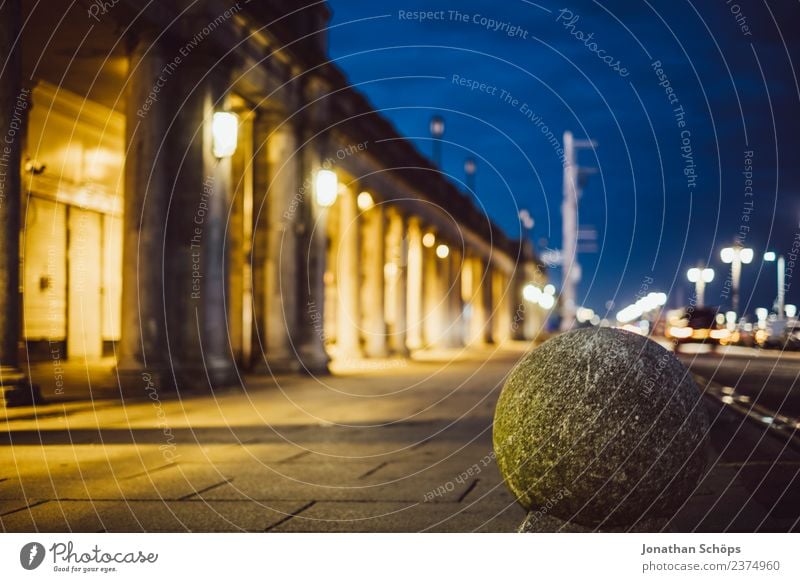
[574, 177]
[781, 301]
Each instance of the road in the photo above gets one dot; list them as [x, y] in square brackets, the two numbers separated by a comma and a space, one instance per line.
[754, 399]
[768, 378]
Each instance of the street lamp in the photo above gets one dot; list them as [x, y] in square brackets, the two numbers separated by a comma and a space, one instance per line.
[437, 131]
[469, 168]
[326, 188]
[770, 257]
[700, 276]
[547, 301]
[736, 256]
[526, 219]
[442, 251]
[531, 293]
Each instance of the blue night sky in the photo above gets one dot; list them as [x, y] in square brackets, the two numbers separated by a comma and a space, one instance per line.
[735, 84]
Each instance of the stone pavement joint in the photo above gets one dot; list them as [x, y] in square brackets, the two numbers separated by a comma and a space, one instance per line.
[290, 516]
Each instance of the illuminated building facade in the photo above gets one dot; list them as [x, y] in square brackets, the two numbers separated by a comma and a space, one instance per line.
[199, 192]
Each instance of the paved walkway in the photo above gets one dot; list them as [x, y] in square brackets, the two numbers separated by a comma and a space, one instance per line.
[392, 445]
[387, 445]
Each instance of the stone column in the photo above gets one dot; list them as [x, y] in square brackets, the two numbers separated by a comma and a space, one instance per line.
[14, 102]
[313, 236]
[414, 274]
[438, 303]
[487, 292]
[275, 275]
[455, 335]
[432, 298]
[476, 333]
[396, 292]
[373, 292]
[348, 341]
[467, 292]
[239, 237]
[263, 123]
[143, 358]
[196, 226]
[445, 307]
[531, 325]
[397, 254]
[519, 312]
[501, 316]
[534, 314]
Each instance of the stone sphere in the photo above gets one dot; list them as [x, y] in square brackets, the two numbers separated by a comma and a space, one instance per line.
[602, 428]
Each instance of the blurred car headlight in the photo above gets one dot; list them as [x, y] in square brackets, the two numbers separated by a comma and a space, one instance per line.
[680, 332]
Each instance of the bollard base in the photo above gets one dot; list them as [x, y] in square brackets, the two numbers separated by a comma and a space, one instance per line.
[537, 522]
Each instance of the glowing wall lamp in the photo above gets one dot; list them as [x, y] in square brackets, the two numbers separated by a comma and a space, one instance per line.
[326, 188]
[225, 133]
[442, 251]
[365, 201]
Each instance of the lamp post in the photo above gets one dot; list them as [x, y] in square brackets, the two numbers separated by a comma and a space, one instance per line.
[469, 169]
[574, 178]
[736, 256]
[780, 302]
[700, 276]
[437, 131]
[526, 219]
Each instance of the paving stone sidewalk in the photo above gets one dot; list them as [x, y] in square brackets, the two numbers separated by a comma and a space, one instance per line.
[390, 446]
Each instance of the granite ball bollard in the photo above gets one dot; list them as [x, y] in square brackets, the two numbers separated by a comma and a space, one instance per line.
[600, 429]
